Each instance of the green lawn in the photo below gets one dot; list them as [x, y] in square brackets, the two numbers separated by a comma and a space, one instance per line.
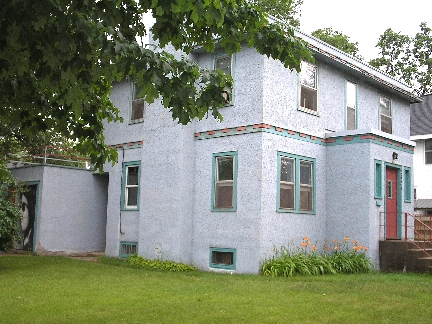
[60, 290]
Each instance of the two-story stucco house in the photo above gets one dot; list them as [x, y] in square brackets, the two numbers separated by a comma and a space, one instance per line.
[325, 153]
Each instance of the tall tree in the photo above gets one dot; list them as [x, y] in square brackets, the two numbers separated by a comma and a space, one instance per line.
[286, 10]
[59, 58]
[338, 40]
[407, 58]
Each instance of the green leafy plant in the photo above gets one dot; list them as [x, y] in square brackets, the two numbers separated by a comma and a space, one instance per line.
[158, 264]
[10, 214]
[9, 224]
[332, 259]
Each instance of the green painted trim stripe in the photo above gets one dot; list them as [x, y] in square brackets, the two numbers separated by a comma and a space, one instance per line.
[341, 140]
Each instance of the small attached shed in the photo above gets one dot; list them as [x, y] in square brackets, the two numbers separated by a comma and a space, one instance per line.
[63, 208]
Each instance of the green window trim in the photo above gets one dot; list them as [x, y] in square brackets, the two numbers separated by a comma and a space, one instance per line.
[223, 258]
[297, 183]
[127, 249]
[407, 184]
[131, 185]
[378, 191]
[224, 182]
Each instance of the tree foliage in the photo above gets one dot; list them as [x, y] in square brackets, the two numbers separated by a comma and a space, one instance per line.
[10, 214]
[286, 10]
[59, 58]
[338, 40]
[407, 58]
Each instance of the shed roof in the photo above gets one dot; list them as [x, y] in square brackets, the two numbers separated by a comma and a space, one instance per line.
[423, 204]
[421, 116]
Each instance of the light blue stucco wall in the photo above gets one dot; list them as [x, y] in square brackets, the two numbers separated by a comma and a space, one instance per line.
[71, 208]
[352, 210]
[285, 228]
[238, 229]
[175, 220]
[162, 225]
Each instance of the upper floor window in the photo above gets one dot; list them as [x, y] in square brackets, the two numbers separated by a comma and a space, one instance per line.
[224, 63]
[308, 86]
[296, 183]
[385, 115]
[428, 151]
[137, 108]
[224, 181]
[351, 105]
[130, 192]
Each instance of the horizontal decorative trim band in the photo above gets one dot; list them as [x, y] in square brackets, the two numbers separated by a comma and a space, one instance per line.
[128, 145]
[341, 140]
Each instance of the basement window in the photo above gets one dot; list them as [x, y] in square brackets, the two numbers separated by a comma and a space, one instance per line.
[127, 249]
[223, 258]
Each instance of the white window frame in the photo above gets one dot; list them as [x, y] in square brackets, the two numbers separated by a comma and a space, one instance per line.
[311, 89]
[348, 102]
[136, 102]
[383, 115]
[427, 152]
[219, 57]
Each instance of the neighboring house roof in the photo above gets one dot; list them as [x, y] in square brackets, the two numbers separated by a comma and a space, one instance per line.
[423, 204]
[421, 117]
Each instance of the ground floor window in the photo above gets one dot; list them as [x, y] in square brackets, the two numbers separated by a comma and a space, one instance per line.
[223, 258]
[296, 183]
[224, 181]
[130, 185]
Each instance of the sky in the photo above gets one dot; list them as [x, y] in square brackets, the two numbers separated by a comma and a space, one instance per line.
[365, 20]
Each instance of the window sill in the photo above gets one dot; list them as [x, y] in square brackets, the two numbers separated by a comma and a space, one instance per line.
[223, 209]
[308, 111]
[292, 211]
[130, 209]
[136, 121]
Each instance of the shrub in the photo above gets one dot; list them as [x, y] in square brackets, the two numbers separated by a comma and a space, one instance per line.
[333, 259]
[9, 224]
[157, 264]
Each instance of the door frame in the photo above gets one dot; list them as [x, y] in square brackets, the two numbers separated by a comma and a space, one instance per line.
[36, 216]
[399, 197]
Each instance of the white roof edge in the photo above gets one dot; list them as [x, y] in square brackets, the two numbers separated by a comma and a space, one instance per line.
[351, 59]
[354, 63]
[420, 137]
[371, 131]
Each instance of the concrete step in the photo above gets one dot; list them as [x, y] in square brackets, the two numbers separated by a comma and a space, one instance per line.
[416, 261]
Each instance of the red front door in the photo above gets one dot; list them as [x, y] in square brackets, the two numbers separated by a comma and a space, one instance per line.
[391, 203]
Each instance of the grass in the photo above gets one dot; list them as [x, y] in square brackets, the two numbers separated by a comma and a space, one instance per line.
[60, 290]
